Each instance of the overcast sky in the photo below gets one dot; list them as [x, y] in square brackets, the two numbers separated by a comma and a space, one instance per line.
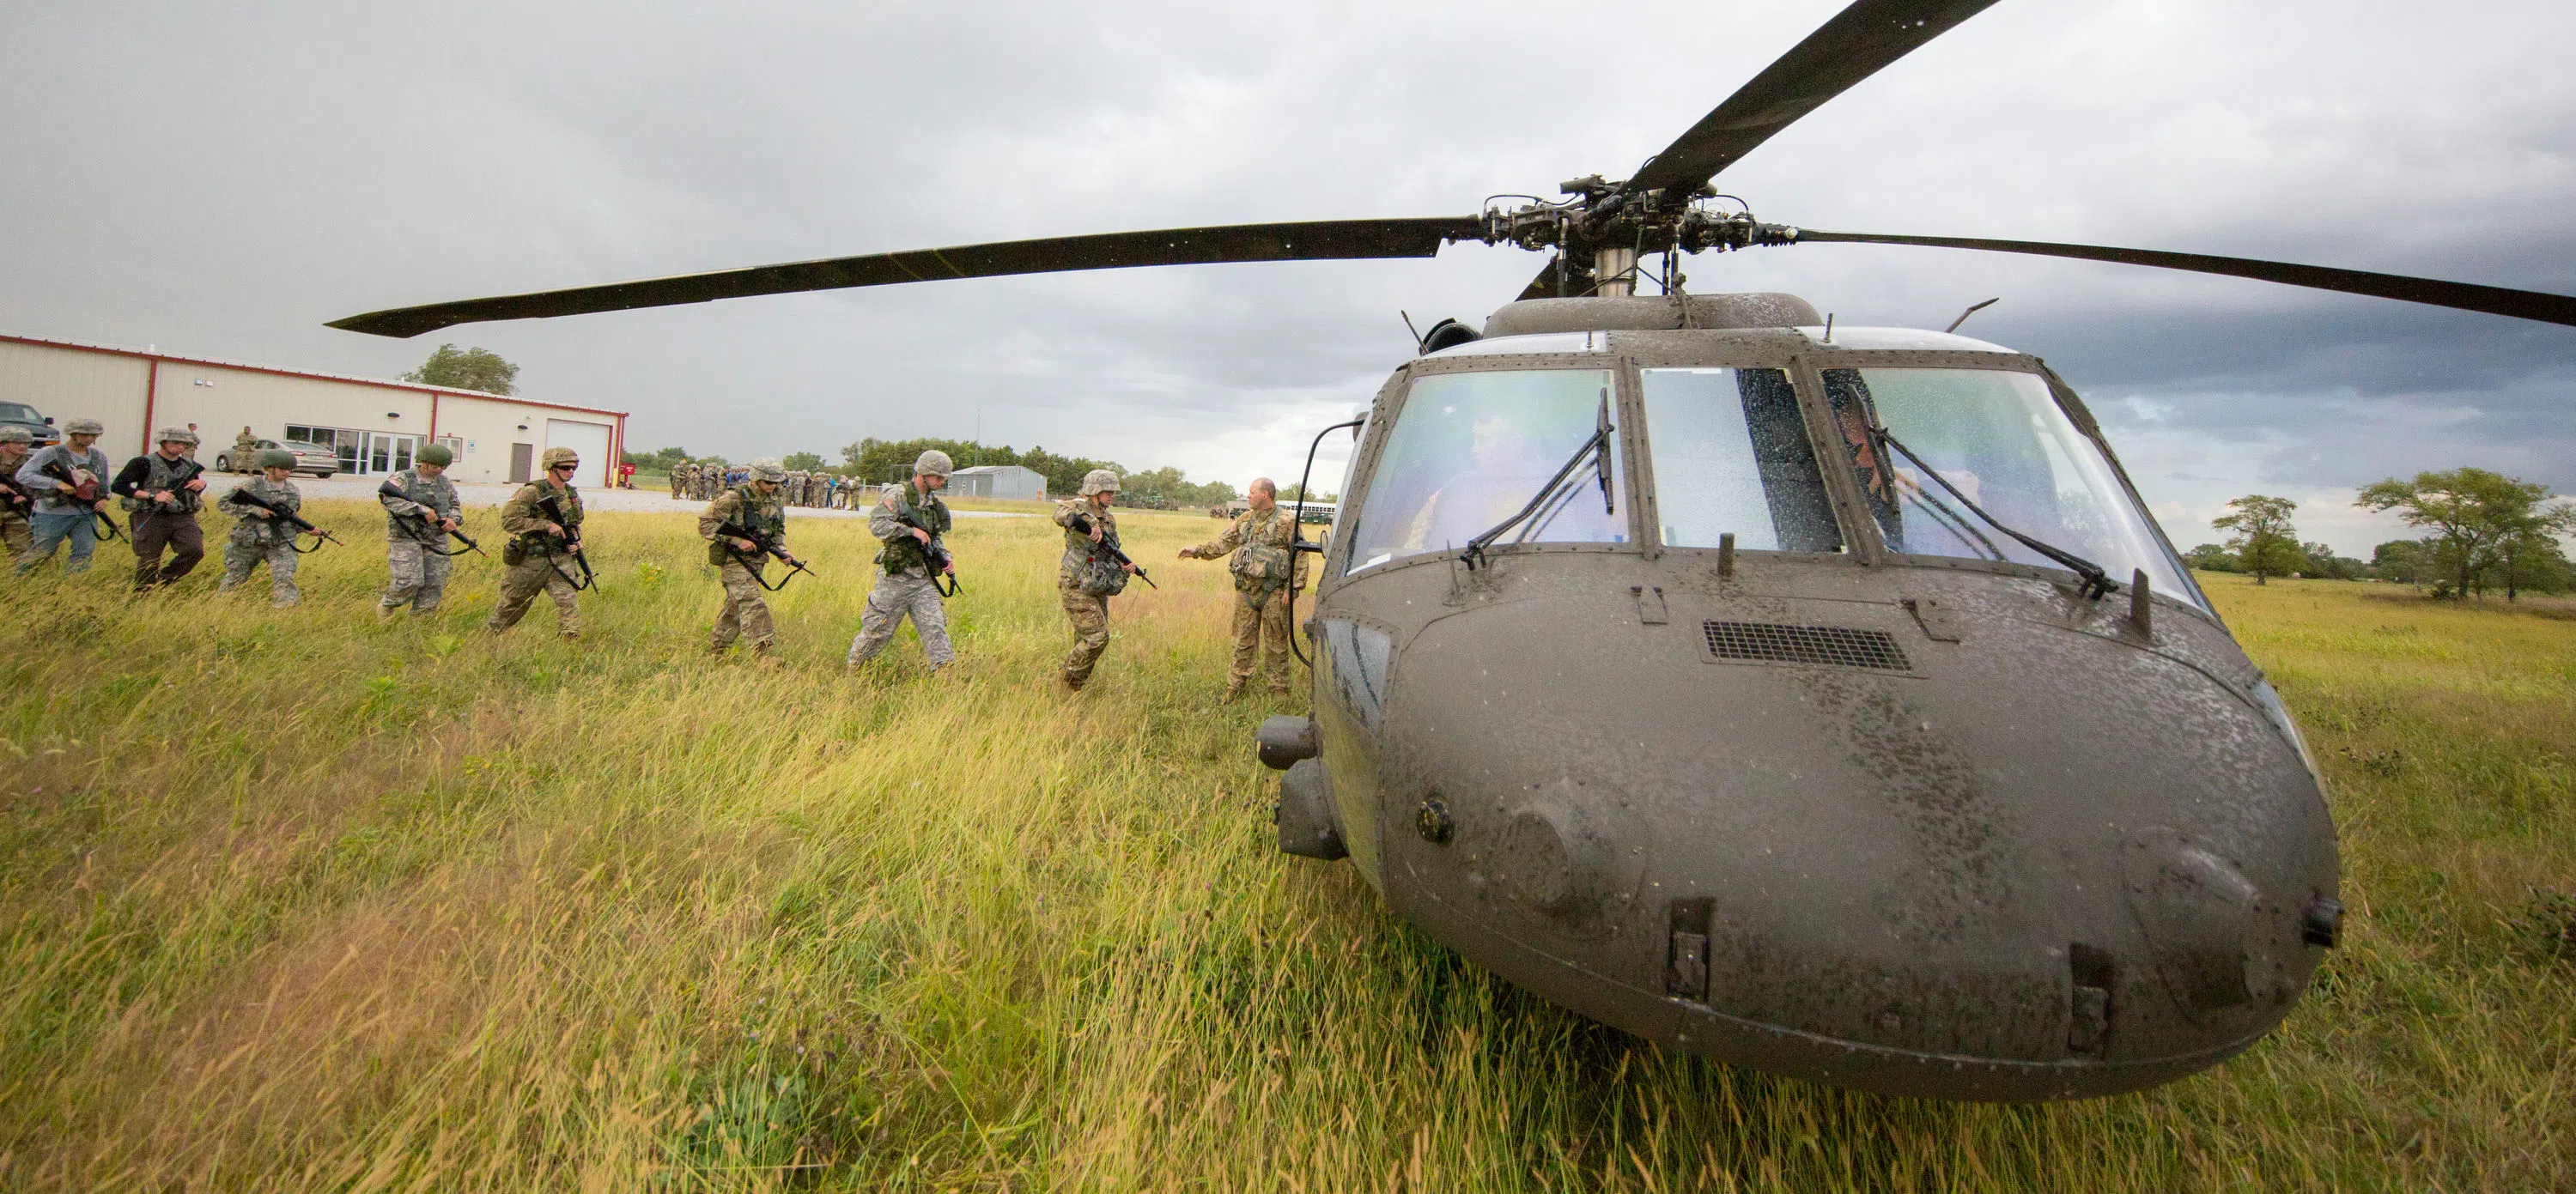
[220, 180]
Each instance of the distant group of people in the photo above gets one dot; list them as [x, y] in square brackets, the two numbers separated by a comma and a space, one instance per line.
[61, 495]
[816, 490]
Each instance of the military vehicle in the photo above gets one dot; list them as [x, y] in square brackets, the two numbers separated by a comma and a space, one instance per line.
[1820, 700]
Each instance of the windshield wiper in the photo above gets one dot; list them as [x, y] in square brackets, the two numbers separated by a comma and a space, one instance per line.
[1597, 448]
[2096, 581]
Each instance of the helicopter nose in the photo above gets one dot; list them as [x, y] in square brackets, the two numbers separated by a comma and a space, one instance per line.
[2039, 864]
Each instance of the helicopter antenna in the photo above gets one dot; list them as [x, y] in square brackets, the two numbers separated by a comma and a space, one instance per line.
[1829, 327]
[1963, 315]
[1417, 332]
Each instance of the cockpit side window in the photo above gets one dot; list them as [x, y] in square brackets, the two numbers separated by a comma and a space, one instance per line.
[1469, 450]
[1731, 456]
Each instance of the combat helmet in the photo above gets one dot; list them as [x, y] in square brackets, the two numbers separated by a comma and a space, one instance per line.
[1099, 480]
[178, 435]
[277, 458]
[555, 456]
[16, 435]
[84, 427]
[933, 463]
[767, 468]
[437, 454]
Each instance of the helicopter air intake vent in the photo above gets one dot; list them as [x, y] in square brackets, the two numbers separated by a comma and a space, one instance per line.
[1826, 646]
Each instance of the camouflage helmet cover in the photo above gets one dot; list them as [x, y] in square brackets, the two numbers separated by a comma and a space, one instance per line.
[83, 427]
[176, 435]
[1099, 480]
[555, 456]
[16, 435]
[933, 463]
[436, 454]
[767, 468]
[277, 458]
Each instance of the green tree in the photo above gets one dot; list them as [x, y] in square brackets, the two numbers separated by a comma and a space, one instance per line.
[2265, 543]
[2472, 514]
[2531, 557]
[2210, 557]
[476, 369]
[2400, 561]
[803, 461]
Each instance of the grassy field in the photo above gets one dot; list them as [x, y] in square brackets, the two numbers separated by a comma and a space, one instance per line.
[298, 900]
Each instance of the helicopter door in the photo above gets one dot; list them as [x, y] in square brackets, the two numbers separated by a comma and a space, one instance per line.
[1469, 450]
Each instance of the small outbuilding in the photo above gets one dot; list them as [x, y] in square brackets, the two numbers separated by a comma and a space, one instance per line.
[1009, 482]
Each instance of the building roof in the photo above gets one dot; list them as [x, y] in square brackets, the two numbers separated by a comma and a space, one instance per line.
[416, 387]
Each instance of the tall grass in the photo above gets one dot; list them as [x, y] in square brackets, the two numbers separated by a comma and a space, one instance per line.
[298, 900]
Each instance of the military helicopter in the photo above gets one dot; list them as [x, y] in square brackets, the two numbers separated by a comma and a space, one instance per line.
[1756, 686]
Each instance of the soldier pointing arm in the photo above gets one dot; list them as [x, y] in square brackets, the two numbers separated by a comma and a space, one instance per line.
[1265, 571]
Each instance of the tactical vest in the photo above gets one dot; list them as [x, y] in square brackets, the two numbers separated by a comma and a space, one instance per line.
[160, 474]
[438, 495]
[270, 531]
[1261, 559]
[904, 553]
[761, 515]
[538, 543]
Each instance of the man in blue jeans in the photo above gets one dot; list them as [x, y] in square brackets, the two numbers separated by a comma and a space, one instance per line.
[65, 511]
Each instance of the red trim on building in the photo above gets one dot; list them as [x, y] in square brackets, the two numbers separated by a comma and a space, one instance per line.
[433, 418]
[434, 391]
[151, 392]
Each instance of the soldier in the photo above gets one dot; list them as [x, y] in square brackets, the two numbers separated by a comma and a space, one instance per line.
[757, 506]
[245, 451]
[910, 519]
[679, 479]
[1086, 579]
[541, 540]
[65, 511]
[15, 503]
[161, 508]
[1265, 572]
[420, 508]
[261, 535]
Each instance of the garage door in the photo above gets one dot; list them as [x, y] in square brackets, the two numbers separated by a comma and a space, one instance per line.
[589, 439]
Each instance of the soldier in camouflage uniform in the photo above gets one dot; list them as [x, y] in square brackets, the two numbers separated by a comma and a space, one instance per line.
[416, 526]
[1265, 571]
[262, 536]
[1083, 576]
[906, 572]
[679, 479]
[245, 451]
[791, 491]
[15, 503]
[540, 547]
[161, 510]
[755, 506]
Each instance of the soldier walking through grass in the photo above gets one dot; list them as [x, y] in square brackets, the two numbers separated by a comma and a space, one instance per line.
[1088, 576]
[1266, 570]
[15, 503]
[544, 522]
[753, 506]
[163, 493]
[260, 536]
[910, 518]
[65, 510]
[420, 508]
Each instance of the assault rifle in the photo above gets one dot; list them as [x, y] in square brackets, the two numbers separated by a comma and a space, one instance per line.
[387, 490]
[242, 494]
[1081, 524]
[933, 551]
[78, 494]
[552, 508]
[761, 545]
[15, 498]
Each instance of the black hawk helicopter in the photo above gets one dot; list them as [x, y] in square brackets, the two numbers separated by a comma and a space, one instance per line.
[1755, 686]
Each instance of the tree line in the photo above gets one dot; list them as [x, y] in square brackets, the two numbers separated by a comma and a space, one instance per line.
[2482, 531]
[874, 460]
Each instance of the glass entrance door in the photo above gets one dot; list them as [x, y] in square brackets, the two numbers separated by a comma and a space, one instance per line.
[385, 452]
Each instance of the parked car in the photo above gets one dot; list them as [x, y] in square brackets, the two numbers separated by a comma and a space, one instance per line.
[19, 414]
[316, 459]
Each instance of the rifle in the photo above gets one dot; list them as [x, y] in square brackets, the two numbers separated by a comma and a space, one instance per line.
[937, 556]
[552, 508]
[59, 471]
[762, 545]
[1081, 524]
[242, 494]
[387, 490]
[15, 498]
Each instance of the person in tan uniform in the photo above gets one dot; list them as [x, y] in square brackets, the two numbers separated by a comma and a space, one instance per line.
[1089, 576]
[754, 506]
[1266, 570]
[544, 523]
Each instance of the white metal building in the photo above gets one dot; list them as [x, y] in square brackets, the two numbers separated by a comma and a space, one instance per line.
[1007, 481]
[375, 425]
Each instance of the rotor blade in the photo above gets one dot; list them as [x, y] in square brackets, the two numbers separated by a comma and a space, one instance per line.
[1851, 47]
[1320, 240]
[2465, 296]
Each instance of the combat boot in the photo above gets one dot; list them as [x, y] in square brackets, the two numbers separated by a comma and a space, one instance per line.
[1233, 689]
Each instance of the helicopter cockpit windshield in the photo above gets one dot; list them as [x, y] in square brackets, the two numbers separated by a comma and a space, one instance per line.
[1469, 450]
[2000, 440]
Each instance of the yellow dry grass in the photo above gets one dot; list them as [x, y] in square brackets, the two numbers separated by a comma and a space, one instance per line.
[297, 900]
